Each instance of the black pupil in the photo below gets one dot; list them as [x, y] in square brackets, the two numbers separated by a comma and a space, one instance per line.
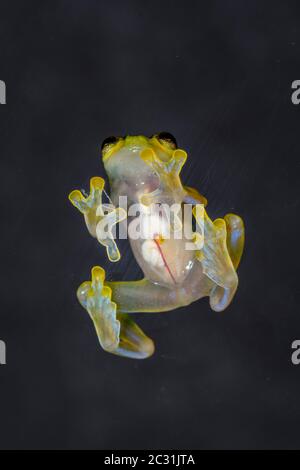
[167, 136]
[109, 140]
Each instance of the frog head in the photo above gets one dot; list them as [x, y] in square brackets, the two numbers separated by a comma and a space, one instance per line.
[144, 161]
[162, 143]
[123, 156]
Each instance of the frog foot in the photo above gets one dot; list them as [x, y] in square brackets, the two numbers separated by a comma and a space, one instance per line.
[117, 332]
[216, 261]
[171, 166]
[99, 223]
[167, 170]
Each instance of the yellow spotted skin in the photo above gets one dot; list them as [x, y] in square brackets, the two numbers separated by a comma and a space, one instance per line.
[146, 170]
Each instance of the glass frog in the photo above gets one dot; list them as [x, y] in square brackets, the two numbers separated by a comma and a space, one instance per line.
[177, 270]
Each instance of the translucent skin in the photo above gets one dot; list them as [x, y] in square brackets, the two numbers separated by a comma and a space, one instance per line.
[147, 170]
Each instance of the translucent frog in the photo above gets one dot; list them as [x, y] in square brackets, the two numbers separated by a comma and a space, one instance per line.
[177, 270]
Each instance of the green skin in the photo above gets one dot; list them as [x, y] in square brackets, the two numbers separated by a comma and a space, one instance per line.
[147, 170]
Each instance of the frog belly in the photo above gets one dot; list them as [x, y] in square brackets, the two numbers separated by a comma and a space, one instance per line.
[163, 261]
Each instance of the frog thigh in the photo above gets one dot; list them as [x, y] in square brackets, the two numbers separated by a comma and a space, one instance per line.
[144, 296]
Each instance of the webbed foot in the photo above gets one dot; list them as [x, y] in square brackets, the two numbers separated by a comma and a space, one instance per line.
[220, 255]
[99, 223]
[117, 332]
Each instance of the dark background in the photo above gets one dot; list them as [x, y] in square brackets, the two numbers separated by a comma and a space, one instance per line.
[217, 74]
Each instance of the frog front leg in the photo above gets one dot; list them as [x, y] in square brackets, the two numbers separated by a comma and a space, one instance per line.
[99, 218]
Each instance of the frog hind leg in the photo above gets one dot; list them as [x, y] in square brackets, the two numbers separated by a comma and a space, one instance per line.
[116, 331]
[216, 261]
[221, 297]
[133, 341]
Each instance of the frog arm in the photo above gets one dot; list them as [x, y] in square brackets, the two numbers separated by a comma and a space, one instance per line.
[220, 255]
[168, 172]
[193, 196]
[98, 223]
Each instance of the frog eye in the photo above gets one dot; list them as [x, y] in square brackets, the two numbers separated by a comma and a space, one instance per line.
[109, 141]
[167, 138]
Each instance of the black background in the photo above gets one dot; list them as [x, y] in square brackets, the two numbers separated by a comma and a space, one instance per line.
[217, 74]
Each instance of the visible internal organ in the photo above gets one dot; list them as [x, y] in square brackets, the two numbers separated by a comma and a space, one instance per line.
[161, 256]
[155, 229]
[154, 226]
[158, 245]
[152, 251]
